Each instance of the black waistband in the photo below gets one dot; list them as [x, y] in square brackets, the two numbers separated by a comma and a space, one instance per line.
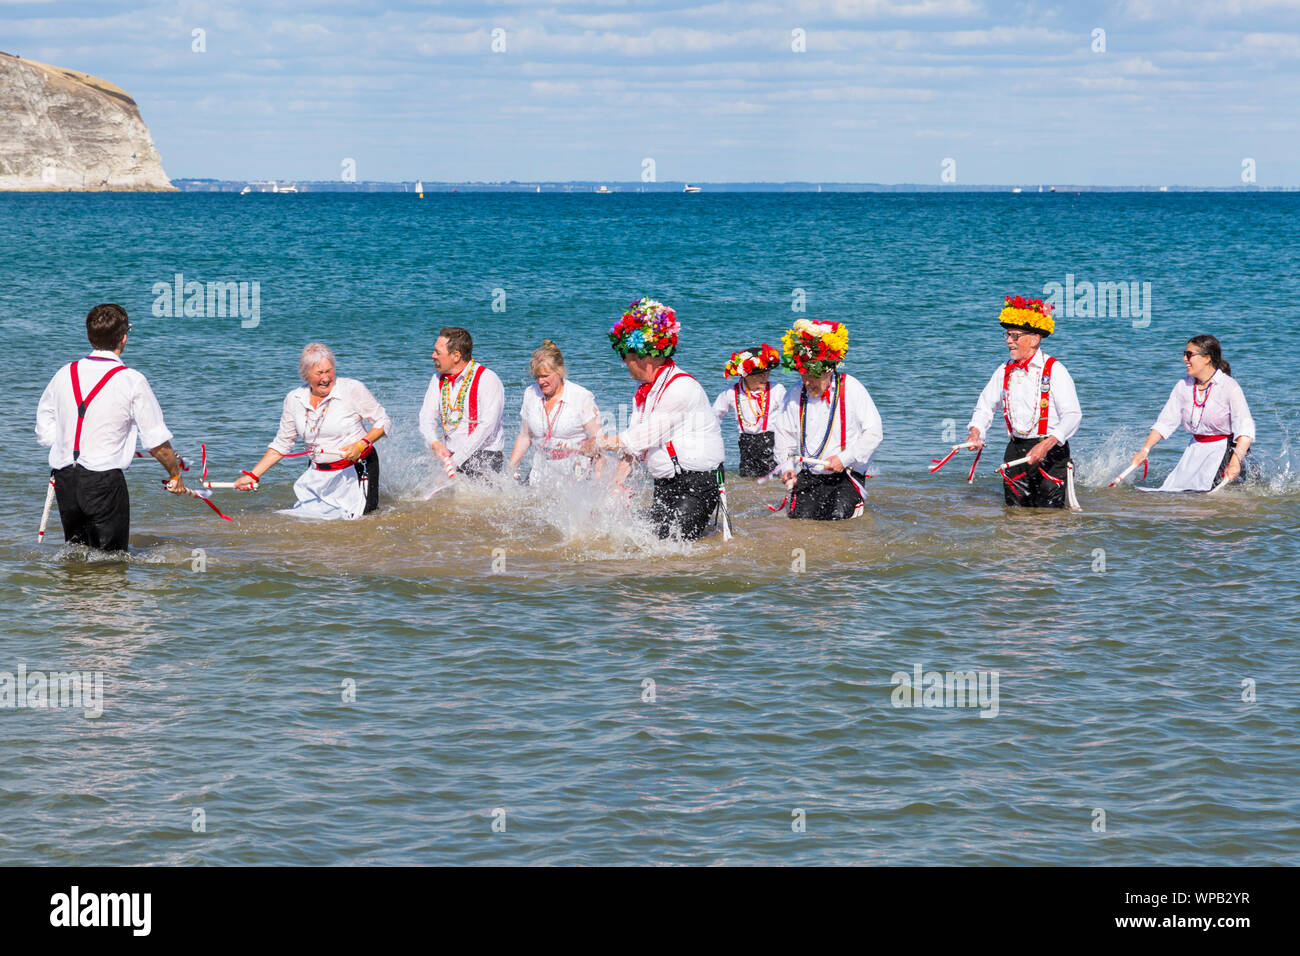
[834, 477]
[689, 477]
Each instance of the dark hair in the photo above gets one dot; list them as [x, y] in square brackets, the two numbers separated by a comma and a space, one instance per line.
[1210, 346]
[458, 340]
[105, 326]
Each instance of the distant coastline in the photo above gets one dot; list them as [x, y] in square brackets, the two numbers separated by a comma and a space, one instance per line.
[594, 186]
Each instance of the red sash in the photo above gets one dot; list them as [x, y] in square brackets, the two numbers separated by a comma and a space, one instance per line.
[1044, 386]
[83, 404]
[473, 399]
[1210, 438]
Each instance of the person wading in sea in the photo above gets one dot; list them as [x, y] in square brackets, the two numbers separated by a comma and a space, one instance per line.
[329, 415]
[89, 415]
[1210, 404]
[831, 418]
[1039, 405]
[672, 428]
[752, 401]
[461, 415]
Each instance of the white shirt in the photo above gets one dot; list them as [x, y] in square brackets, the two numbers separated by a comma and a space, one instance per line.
[862, 428]
[1225, 411]
[488, 434]
[679, 413]
[565, 427]
[1063, 411]
[724, 406]
[125, 407]
[337, 421]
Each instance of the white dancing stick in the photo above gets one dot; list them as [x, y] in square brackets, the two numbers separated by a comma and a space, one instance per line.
[1070, 499]
[1011, 464]
[722, 517]
[45, 515]
[228, 485]
[451, 475]
[1123, 474]
[814, 461]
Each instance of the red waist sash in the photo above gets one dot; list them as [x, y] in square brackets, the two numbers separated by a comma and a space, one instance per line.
[1210, 438]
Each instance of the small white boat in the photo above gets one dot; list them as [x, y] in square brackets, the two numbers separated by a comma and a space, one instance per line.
[688, 188]
[419, 188]
[286, 189]
[603, 189]
[1017, 189]
[246, 190]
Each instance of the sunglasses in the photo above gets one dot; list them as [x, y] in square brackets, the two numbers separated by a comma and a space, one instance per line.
[1016, 336]
[1189, 354]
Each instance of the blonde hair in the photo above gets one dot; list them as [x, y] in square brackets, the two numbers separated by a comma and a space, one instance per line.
[548, 353]
[313, 355]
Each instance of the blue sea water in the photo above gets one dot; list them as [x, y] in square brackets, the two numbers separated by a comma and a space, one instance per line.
[539, 680]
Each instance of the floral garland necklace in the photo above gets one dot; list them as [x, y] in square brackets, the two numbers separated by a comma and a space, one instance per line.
[1205, 398]
[454, 413]
[758, 408]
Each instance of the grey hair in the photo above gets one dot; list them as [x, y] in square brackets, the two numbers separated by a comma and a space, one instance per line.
[313, 355]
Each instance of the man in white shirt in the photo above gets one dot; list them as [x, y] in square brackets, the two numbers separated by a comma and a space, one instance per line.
[1039, 407]
[89, 416]
[831, 419]
[672, 428]
[461, 415]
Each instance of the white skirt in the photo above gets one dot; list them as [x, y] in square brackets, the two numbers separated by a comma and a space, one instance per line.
[549, 471]
[328, 495]
[1197, 468]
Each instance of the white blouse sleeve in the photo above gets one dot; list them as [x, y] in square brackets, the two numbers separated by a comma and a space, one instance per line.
[785, 433]
[431, 413]
[725, 404]
[1243, 423]
[369, 409]
[288, 433]
[588, 410]
[1171, 416]
[989, 399]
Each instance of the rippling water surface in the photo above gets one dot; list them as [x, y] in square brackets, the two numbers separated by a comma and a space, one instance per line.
[502, 645]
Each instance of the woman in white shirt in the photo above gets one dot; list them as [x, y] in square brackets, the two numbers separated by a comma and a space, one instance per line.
[753, 402]
[1211, 406]
[557, 416]
[328, 414]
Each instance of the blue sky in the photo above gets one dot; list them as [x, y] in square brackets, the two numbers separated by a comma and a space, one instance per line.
[883, 92]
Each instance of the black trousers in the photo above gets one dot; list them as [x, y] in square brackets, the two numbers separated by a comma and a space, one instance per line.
[829, 497]
[685, 503]
[483, 463]
[757, 457]
[368, 472]
[1029, 488]
[94, 507]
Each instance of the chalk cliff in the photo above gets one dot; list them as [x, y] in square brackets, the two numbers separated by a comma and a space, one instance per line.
[64, 130]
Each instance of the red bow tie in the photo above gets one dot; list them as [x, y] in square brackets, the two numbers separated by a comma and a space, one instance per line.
[1023, 366]
[644, 389]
